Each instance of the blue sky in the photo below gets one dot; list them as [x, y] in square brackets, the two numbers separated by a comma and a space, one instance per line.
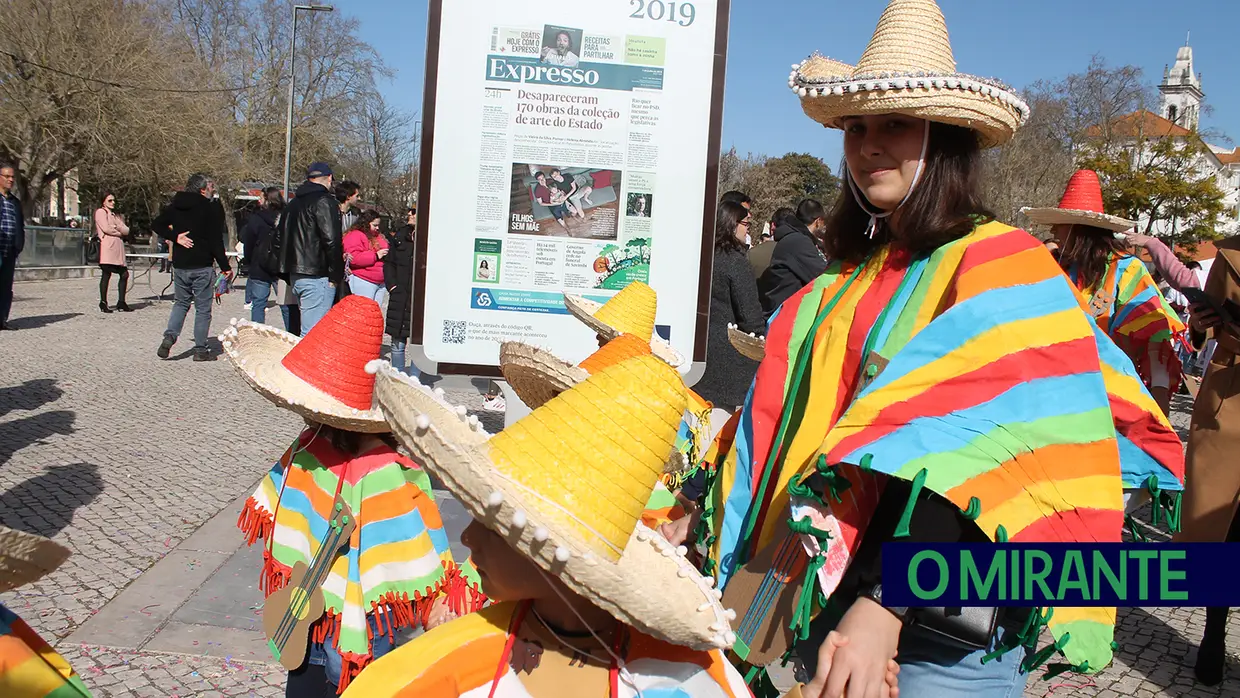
[1017, 41]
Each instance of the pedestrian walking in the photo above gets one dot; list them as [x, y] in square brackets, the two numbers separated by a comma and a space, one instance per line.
[366, 248]
[111, 230]
[193, 223]
[796, 258]
[398, 279]
[256, 236]
[12, 238]
[310, 255]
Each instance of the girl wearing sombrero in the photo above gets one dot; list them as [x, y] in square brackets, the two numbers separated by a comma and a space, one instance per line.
[589, 601]
[342, 505]
[922, 390]
[1118, 289]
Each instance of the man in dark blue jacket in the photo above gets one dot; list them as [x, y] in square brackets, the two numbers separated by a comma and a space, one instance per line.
[12, 238]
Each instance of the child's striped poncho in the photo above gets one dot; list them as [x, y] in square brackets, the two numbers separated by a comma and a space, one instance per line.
[398, 560]
[973, 372]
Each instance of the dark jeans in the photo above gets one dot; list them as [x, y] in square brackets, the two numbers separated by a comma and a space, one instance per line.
[108, 270]
[192, 285]
[8, 264]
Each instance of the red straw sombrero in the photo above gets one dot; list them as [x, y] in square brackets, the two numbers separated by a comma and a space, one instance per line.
[1081, 205]
[321, 376]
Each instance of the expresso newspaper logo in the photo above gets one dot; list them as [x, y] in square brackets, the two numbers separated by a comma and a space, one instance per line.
[516, 70]
[603, 76]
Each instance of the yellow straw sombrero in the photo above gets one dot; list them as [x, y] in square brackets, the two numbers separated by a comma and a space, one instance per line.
[908, 68]
[566, 487]
[750, 346]
[631, 311]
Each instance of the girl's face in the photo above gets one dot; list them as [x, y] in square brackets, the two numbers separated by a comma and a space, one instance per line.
[506, 575]
[374, 226]
[882, 152]
[742, 229]
[110, 202]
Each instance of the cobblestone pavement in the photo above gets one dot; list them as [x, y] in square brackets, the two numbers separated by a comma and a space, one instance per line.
[121, 456]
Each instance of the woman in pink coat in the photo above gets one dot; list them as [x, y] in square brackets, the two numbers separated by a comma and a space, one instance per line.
[111, 229]
[364, 249]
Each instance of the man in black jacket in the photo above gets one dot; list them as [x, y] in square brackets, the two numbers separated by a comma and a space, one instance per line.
[310, 250]
[193, 223]
[796, 259]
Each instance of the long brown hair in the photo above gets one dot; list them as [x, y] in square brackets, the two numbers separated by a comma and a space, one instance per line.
[945, 205]
[350, 442]
[1089, 249]
[727, 219]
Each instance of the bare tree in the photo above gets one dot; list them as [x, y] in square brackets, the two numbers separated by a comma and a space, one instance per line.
[381, 152]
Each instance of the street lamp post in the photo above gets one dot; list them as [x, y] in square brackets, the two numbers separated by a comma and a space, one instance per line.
[292, 77]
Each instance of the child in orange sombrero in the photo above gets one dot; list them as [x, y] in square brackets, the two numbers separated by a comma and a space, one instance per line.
[395, 568]
[588, 597]
[1118, 289]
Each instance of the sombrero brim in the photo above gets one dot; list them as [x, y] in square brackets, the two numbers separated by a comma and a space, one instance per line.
[25, 557]
[257, 351]
[747, 345]
[584, 309]
[1057, 216]
[652, 586]
[831, 90]
[536, 375]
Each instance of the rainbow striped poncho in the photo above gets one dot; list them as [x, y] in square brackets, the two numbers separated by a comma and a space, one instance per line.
[398, 561]
[973, 372]
[1128, 306]
[29, 667]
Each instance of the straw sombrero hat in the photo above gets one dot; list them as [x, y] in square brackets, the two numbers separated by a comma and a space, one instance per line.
[631, 311]
[750, 346]
[25, 557]
[536, 376]
[321, 376]
[908, 68]
[566, 487]
[1081, 205]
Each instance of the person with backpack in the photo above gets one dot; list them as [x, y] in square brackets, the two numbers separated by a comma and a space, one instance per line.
[256, 239]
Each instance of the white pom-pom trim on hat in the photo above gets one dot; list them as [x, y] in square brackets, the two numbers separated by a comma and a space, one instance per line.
[372, 366]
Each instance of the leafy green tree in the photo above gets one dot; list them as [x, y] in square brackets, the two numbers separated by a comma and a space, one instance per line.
[1160, 181]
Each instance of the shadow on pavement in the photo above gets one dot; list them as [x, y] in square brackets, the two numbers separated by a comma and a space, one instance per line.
[30, 395]
[37, 321]
[17, 434]
[1161, 668]
[44, 504]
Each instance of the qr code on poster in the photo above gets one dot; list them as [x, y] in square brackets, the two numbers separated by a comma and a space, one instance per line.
[453, 331]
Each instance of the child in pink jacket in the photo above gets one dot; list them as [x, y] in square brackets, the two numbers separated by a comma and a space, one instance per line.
[364, 249]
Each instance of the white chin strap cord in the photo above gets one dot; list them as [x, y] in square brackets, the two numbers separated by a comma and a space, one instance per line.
[872, 228]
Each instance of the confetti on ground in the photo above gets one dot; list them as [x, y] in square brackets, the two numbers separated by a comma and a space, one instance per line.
[143, 610]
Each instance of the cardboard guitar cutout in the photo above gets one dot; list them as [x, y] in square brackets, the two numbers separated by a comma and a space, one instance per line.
[764, 594]
[289, 612]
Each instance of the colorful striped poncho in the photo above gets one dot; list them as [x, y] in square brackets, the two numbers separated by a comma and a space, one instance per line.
[1128, 306]
[973, 372]
[29, 667]
[693, 441]
[398, 561]
[484, 656]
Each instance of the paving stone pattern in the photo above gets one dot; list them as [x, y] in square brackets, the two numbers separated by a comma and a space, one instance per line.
[121, 456]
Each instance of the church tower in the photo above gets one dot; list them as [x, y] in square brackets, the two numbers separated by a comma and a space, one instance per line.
[1180, 91]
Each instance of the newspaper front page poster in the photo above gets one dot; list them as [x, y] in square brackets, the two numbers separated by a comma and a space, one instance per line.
[569, 150]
